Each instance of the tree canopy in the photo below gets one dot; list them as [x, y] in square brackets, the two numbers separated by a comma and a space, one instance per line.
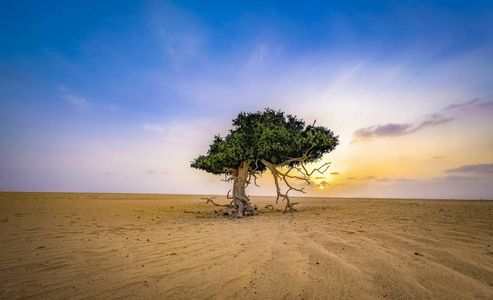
[266, 135]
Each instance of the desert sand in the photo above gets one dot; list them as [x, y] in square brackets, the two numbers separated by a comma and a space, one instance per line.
[136, 246]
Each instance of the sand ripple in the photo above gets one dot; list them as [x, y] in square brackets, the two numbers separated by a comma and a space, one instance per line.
[122, 246]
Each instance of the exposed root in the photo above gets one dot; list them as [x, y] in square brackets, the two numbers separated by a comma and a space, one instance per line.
[230, 205]
[289, 207]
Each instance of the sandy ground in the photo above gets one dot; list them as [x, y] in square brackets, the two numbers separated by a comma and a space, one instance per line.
[125, 246]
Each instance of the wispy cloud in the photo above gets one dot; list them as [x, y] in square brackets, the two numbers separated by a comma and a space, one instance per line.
[479, 168]
[76, 100]
[399, 129]
[462, 173]
[113, 108]
[182, 36]
[346, 76]
[153, 128]
[447, 186]
[154, 172]
[473, 104]
[445, 115]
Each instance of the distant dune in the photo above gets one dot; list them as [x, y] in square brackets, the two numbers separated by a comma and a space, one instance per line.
[136, 246]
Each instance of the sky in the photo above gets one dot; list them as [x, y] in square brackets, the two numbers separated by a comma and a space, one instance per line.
[120, 96]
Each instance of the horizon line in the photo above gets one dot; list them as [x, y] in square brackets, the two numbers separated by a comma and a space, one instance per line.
[273, 196]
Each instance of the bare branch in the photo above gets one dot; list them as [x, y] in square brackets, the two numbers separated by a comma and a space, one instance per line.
[283, 175]
[298, 159]
[250, 175]
[255, 180]
[286, 177]
[317, 169]
[293, 188]
[227, 178]
[276, 182]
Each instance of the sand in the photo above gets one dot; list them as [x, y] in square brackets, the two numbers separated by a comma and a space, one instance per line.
[135, 246]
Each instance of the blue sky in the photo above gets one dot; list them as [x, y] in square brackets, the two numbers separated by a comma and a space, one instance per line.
[110, 96]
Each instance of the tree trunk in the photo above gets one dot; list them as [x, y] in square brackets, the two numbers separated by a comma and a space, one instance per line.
[242, 203]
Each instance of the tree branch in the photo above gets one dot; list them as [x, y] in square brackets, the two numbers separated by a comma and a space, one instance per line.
[251, 173]
[317, 169]
[226, 178]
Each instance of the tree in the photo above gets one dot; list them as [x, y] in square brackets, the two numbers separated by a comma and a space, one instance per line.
[266, 140]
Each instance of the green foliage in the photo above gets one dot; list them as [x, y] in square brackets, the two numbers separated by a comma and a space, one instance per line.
[269, 135]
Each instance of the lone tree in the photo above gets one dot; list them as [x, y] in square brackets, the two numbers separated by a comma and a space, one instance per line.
[266, 140]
